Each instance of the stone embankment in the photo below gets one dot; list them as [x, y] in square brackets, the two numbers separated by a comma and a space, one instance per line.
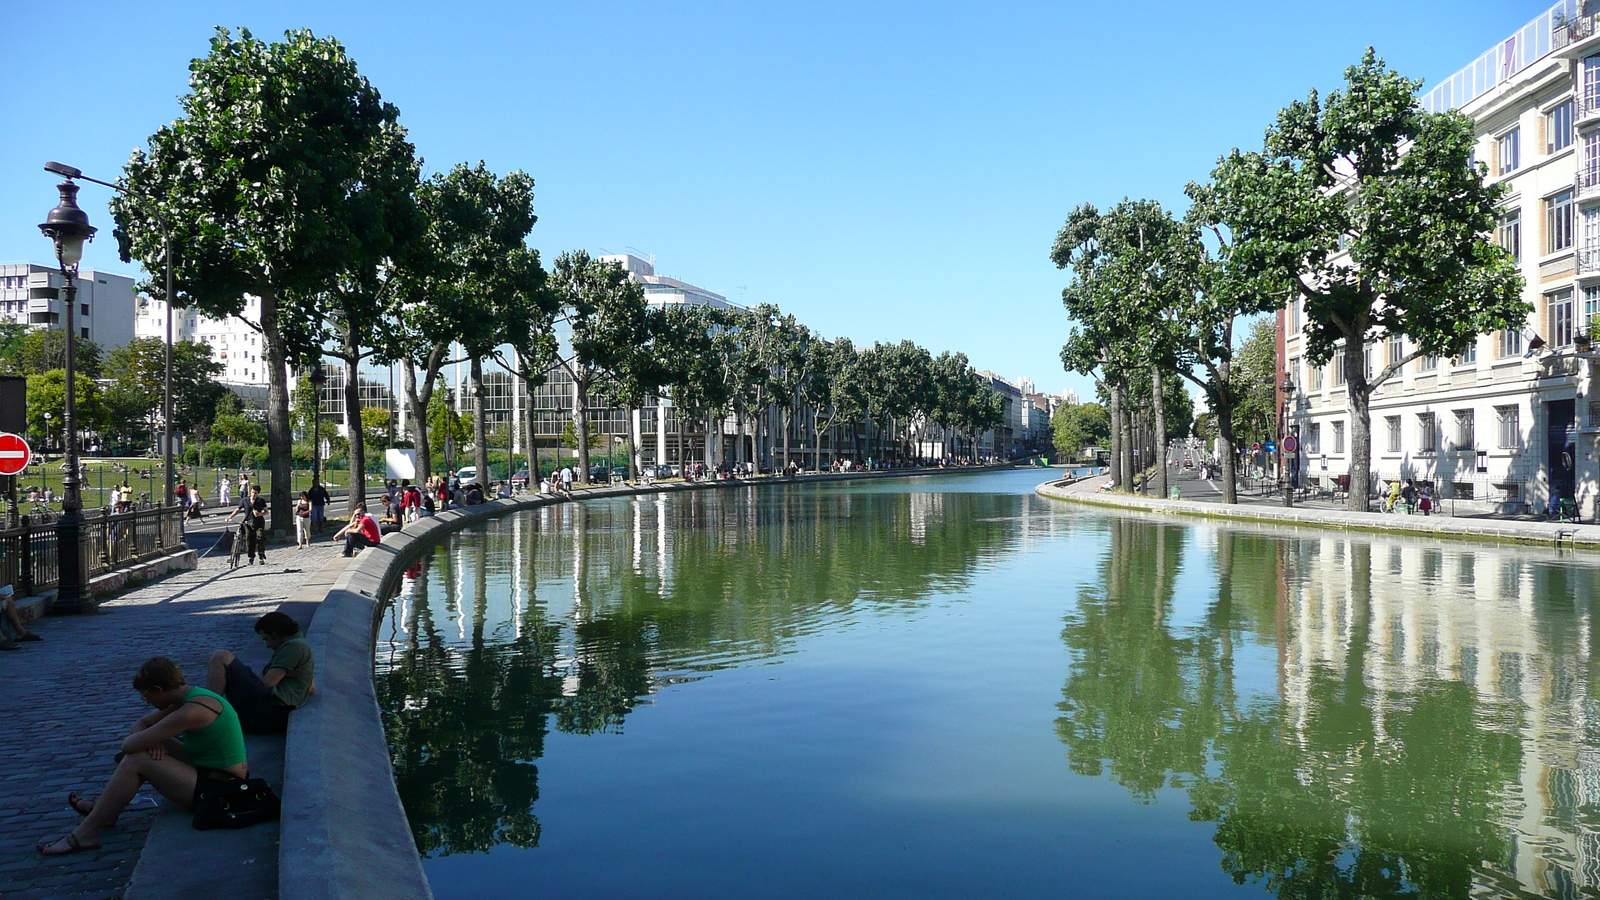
[1207, 504]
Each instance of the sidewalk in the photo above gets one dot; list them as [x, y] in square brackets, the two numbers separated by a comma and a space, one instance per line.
[1204, 498]
[68, 704]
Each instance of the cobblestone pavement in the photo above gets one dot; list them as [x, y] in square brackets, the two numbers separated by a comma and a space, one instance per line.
[67, 703]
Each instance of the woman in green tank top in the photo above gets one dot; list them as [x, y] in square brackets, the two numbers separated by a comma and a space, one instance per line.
[193, 735]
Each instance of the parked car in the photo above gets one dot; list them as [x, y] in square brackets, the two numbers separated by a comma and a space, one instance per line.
[468, 474]
[520, 480]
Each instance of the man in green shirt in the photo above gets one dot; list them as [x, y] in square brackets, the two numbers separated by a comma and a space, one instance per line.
[264, 701]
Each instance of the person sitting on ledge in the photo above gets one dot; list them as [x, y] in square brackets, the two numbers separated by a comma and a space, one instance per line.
[191, 742]
[361, 532]
[389, 521]
[264, 701]
[11, 628]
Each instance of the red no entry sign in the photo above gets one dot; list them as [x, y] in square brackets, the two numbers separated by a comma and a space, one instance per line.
[14, 454]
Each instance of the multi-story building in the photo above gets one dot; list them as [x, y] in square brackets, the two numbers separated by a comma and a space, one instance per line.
[32, 295]
[1512, 422]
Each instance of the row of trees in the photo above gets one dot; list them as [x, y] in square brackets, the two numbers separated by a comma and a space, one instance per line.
[287, 178]
[1365, 208]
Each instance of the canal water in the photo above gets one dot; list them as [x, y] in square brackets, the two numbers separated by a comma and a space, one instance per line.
[950, 687]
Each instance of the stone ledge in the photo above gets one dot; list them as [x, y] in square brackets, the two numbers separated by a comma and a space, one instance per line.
[344, 832]
[1585, 537]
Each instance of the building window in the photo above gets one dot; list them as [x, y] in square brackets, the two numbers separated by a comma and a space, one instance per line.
[1396, 348]
[1338, 367]
[1428, 363]
[1314, 437]
[1559, 308]
[1558, 128]
[1508, 146]
[1594, 413]
[1510, 233]
[1511, 342]
[1338, 437]
[1366, 353]
[1509, 418]
[1591, 306]
[1427, 433]
[1313, 377]
[1558, 222]
[1468, 356]
[1466, 435]
[1394, 433]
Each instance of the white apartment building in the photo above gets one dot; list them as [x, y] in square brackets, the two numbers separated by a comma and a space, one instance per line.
[32, 295]
[1514, 420]
[233, 342]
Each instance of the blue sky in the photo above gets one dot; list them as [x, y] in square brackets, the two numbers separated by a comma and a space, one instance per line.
[882, 171]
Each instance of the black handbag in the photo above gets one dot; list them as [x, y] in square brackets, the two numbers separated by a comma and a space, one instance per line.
[234, 803]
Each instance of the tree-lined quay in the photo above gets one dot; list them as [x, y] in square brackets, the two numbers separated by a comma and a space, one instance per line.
[293, 198]
[1364, 209]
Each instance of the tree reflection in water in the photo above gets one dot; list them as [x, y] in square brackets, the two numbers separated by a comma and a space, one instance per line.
[632, 594]
[1379, 767]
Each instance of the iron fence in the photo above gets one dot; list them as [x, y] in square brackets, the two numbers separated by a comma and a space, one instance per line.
[29, 556]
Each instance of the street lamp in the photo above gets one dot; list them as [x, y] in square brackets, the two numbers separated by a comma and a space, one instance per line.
[1285, 443]
[68, 228]
[71, 172]
[318, 378]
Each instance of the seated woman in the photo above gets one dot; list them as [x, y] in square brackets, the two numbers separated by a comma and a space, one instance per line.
[191, 741]
[264, 701]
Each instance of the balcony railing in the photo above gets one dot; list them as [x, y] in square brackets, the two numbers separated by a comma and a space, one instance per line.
[1588, 261]
[1558, 365]
[1569, 31]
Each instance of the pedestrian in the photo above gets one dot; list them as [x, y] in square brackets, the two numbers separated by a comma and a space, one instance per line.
[225, 492]
[1408, 495]
[1426, 502]
[566, 480]
[302, 520]
[319, 506]
[264, 701]
[254, 508]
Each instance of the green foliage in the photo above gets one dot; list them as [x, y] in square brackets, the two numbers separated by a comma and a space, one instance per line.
[47, 396]
[375, 427]
[569, 437]
[235, 428]
[34, 351]
[138, 369]
[1256, 414]
[1078, 427]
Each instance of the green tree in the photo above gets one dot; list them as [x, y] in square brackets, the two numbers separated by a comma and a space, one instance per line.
[261, 179]
[606, 312]
[25, 351]
[447, 425]
[374, 430]
[1373, 213]
[1256, 412]
[234, 428]
[1078, 427]
[138, 370]
[47, 404]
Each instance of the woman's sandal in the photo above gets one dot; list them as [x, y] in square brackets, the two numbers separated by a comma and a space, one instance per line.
[79, 804]
[73, 846]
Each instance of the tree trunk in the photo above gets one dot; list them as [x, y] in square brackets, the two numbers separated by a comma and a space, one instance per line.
[1125, 425]
[580, 427]
[280, 437]
[1159, 432]
[1355, 376]
[352, 419]
[1230, 475]
[629, 422]
[480, 431]
[1118, 479]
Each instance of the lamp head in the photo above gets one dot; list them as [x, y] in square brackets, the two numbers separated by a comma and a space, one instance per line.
[68, 226]
[1288, 386]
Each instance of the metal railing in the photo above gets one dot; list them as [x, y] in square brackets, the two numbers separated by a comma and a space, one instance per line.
[29, 558]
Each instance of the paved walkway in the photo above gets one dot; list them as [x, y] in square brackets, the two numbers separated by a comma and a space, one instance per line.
[67, 704]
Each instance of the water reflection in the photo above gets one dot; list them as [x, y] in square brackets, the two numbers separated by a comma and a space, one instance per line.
[571, 615]
[1427, 731]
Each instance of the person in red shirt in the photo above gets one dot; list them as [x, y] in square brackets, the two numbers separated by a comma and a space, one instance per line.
[361, 532]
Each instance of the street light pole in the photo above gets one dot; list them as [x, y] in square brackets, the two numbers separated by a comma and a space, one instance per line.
[68, 228]
[71, 172]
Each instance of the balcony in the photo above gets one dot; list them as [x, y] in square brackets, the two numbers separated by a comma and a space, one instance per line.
[1588, 262]
[1587, 184]
[1586, 109]
[1558, 365]
[1566, 32]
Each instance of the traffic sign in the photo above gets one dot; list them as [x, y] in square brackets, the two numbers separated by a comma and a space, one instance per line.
[1290, 445]
[14, 454]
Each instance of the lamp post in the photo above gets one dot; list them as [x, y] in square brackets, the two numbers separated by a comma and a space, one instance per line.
[1285, 442]
[318, 378]
[68, 228]
[71, 172]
